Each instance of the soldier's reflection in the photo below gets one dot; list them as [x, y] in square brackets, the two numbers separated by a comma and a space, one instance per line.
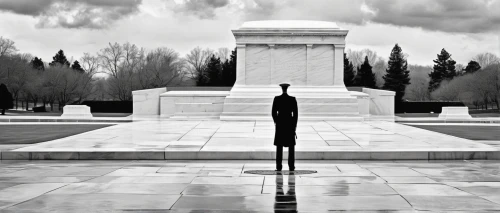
[285, 202]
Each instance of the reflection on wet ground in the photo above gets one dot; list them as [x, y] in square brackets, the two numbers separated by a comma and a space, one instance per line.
[223, 186]
[285, 201]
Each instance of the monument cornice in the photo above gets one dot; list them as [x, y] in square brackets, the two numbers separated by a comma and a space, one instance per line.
[281, 32]
[243, 43]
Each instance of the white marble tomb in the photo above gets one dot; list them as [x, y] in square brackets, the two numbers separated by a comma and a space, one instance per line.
[306, 54]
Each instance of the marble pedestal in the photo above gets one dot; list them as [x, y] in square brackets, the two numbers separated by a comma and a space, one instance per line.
[307, 54]
[76, 111]
[455, 113]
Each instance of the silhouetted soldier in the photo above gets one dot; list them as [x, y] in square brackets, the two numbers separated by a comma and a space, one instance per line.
[285, 115]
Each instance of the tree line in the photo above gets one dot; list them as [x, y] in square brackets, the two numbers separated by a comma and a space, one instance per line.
[116, 70]
[476, 84]
[110, 74]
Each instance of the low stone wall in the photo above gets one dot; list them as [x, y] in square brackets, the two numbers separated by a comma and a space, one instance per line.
[147, 102]
[185, 104]
[381, 102]
[363, 103]
[372, 103]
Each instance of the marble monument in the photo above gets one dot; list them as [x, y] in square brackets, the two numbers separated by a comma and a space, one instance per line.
[307, 54]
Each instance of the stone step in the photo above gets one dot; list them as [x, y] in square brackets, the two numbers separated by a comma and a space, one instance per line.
[198, 99]
[253, 155]
[240, 99]
[306, 107]
[306, 117]
[198, 107]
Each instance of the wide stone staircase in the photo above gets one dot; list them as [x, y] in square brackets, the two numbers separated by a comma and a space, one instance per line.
[314, 103]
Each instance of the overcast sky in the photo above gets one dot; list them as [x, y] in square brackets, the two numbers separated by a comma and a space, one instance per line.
[421, 27]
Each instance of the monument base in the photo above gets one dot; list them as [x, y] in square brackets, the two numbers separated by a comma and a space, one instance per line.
[314, 103]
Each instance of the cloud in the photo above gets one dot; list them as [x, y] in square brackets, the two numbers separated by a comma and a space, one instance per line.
[462, 16]
[203, 9]
[470, 16]
[326, 10]
[93, 14]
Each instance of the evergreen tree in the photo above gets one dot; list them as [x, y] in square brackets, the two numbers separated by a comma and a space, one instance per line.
[76, 66]
[228, 76]
[444, 69]
[214, 70]
[397, 75]
[37, 64]
[6, 100]
[472, 67]
[348, 72]
[365, 76]
[59, 59]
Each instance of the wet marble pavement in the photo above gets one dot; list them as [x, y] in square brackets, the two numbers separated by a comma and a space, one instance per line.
[223, 186]
[169, 136]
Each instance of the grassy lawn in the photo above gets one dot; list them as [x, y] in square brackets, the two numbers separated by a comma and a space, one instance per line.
[468, 132]
[29, 134]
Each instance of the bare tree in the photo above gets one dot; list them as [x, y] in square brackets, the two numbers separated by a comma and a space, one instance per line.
[90, 63]
[121, 62]
[460, 68]
[197, 60]
[492, 73]
[16, 72]
[419, 81]
[223, 54]
[163, 67]
[486, 59]
[358, 57]
[111, 58]
[7, 47]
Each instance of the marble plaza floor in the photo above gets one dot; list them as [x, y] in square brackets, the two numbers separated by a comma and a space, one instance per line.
[223, 186]
[167, 139]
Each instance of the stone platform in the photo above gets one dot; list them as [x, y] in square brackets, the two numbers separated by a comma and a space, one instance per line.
[319, 140]
[224, 186]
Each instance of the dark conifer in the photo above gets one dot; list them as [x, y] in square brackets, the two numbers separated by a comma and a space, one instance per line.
[228, 76]
[397, 75]
[37, 64]
[348, 72]
[76, 66]
[444, 69]
[59, 59]
[472, 67]
[214, 70]
[365, 76]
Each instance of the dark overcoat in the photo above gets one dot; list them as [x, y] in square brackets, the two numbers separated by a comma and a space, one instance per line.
[285, 116]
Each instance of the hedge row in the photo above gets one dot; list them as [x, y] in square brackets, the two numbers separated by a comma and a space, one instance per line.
[423, 107]
[109, 106]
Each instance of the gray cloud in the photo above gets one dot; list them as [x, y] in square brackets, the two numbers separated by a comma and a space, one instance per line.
[204, 9]
[326, 10]
[470, 16]
[94, 14]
